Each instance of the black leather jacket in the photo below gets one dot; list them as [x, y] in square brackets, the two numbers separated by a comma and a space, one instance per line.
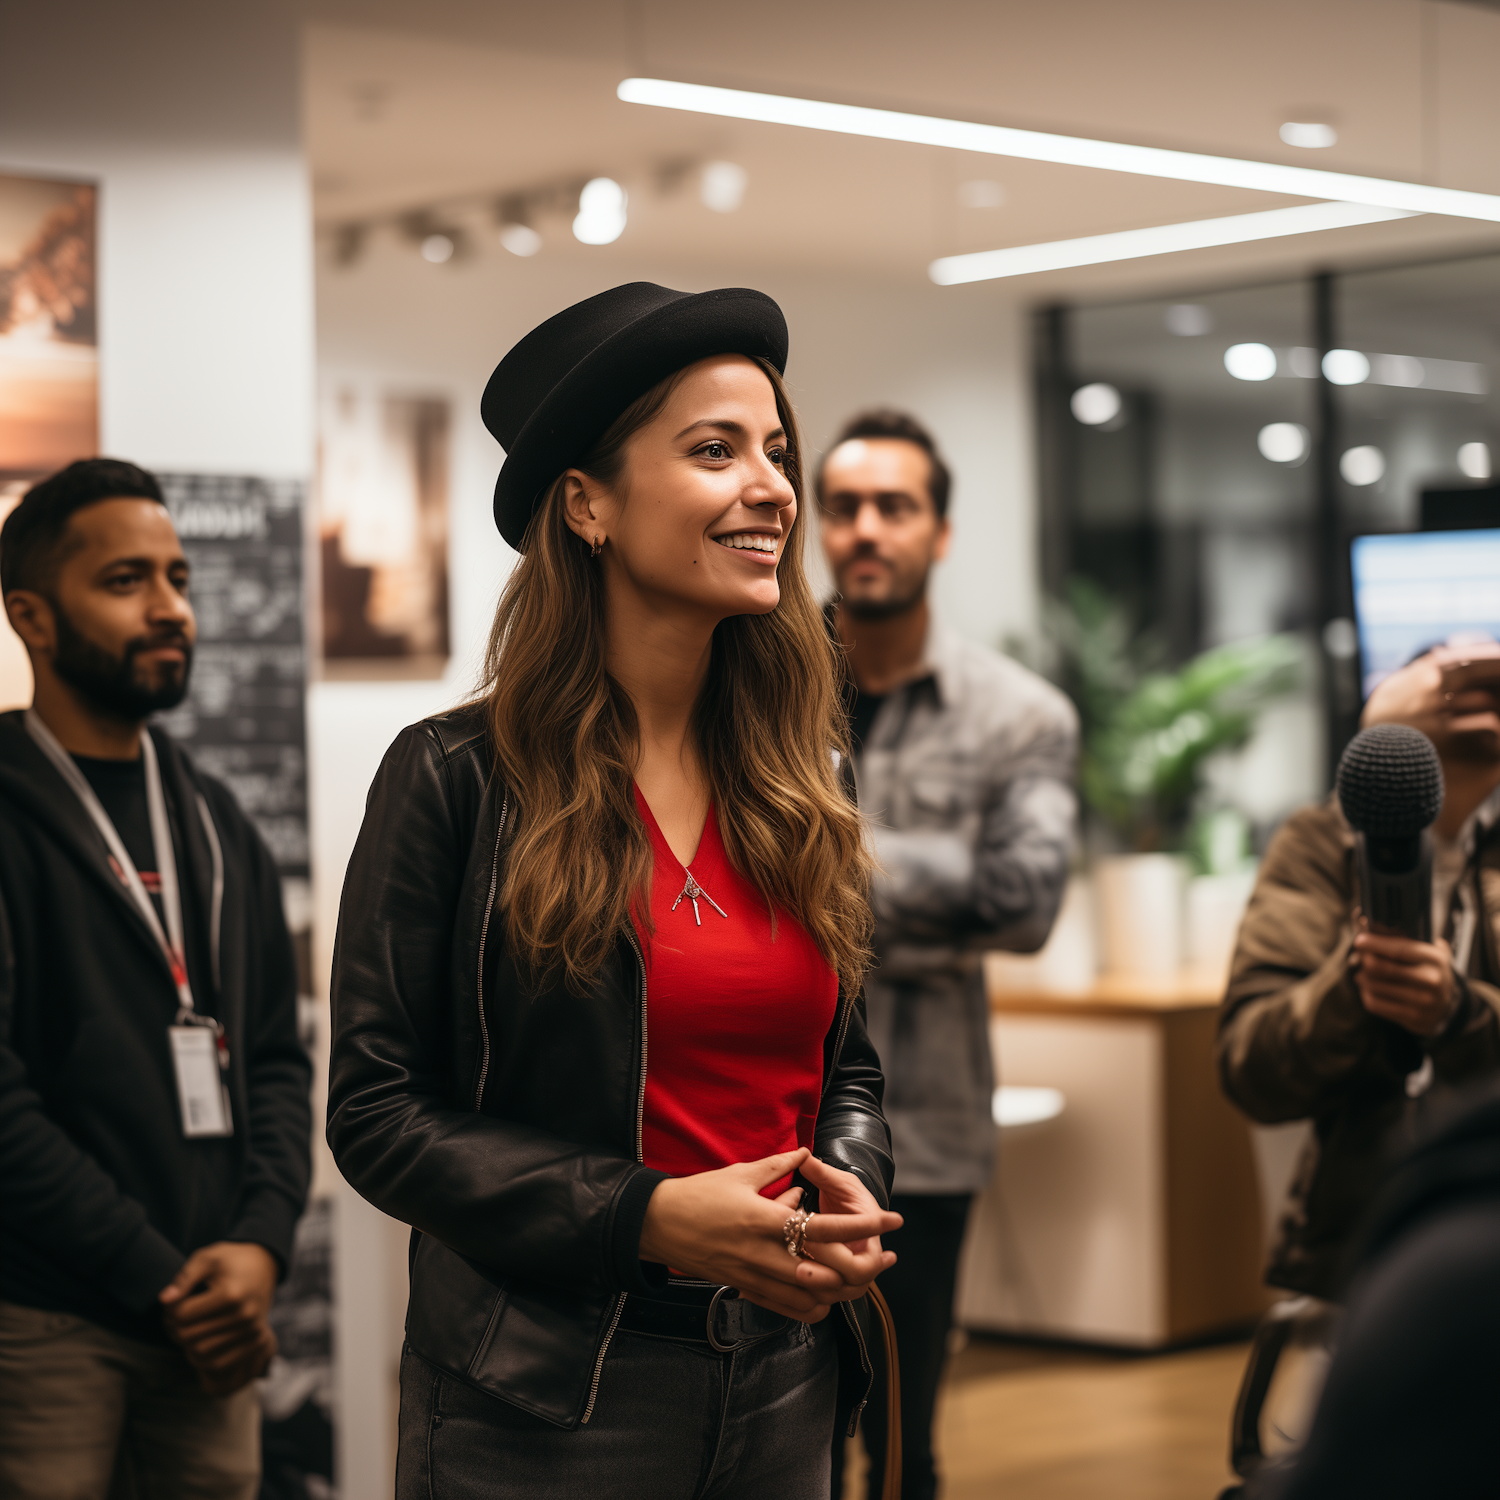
[504, 1124]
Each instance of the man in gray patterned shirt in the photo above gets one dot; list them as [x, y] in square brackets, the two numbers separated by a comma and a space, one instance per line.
[965, 764]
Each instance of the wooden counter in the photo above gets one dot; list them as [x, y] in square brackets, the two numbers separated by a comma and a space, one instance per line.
[1135, 1219]
[1111, 996]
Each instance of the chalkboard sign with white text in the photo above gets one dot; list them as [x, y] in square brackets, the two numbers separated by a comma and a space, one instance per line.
[244, 718]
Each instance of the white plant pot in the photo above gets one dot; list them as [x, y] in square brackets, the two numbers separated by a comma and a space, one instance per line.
[1215, 907]
[1066, 965]
[1140, 915]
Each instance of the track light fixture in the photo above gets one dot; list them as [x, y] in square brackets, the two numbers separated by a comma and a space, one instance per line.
[596, 208]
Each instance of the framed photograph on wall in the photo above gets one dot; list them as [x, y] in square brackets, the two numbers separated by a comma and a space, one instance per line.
[383, 533]
[49, 356]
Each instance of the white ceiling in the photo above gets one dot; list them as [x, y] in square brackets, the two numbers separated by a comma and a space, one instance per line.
[407, 106]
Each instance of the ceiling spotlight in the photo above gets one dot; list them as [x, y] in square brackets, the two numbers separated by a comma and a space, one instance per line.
[601, 212]
[722, 186]
[1283, 442]
[981, 193]
[1312, 135]
[438, 249]
[1362, 466]
[520, 239]
[1250, 361]
[1346, 367]
[1474, 460]
[1187, 320]
[1097, 404]
[1341, 639]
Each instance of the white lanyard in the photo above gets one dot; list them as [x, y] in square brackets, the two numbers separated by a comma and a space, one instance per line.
[161, 840]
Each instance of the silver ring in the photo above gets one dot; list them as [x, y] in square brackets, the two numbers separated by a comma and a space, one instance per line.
[794, 1234]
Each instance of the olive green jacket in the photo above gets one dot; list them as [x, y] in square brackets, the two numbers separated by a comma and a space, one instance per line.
[1296, 1044]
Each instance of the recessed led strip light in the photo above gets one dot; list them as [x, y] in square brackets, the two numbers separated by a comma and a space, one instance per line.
[1067, 150]
[1131, 244]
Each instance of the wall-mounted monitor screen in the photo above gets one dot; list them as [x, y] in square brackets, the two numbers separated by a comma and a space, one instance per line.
[1417, 590]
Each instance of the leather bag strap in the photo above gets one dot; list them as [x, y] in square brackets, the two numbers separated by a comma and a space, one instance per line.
[891, 1490]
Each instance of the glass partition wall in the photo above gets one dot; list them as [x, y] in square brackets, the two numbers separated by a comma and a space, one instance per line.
[1207, 458]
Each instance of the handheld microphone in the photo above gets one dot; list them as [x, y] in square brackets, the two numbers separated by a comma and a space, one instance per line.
[1390, 786]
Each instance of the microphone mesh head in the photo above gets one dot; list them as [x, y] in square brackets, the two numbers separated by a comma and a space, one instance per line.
[1390, 781]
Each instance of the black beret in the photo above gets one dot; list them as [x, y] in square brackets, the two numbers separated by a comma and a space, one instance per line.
[557, 391]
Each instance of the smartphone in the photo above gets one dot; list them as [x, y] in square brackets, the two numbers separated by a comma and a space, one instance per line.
[1477, 674]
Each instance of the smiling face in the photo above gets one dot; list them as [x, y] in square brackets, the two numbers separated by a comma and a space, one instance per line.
[703, 508]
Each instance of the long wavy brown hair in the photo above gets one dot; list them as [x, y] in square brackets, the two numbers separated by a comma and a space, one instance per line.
[769, 728]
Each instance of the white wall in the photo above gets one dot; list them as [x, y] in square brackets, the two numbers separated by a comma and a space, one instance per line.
[188, 118]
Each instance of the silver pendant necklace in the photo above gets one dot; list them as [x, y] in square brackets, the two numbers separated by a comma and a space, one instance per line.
[691, 892]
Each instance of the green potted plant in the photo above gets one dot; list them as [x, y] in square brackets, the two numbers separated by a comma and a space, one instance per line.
[1148, 732]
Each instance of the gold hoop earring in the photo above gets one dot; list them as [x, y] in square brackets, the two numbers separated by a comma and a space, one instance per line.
[596, 548]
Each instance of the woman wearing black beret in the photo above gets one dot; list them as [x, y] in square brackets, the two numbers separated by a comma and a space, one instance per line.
[596, 987]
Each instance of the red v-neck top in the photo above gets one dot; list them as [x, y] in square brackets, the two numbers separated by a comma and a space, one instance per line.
[734, 1021]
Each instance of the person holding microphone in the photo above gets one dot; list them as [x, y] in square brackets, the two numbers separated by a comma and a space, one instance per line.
[1369, 1034]
[597, 1025]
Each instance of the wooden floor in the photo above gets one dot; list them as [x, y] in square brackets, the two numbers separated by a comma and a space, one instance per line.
[1025, 1423]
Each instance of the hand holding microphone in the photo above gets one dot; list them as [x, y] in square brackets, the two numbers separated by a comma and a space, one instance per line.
[1404, 981]
[1390, 786]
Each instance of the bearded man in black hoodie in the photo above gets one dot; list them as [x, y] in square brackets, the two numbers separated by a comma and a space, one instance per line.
[154, 1115]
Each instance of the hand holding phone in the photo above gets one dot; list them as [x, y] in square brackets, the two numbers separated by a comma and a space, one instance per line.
[1452, 694]
[1470, 689]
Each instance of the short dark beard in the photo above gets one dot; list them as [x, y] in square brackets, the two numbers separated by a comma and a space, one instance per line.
[883, 609]
[109, 682]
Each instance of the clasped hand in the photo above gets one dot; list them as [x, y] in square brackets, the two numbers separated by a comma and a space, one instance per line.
[216, 1311]
[717, 1226]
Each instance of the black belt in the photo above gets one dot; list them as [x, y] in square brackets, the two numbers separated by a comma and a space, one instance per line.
[698, 1312]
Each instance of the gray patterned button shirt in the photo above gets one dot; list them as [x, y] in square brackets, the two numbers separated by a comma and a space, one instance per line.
[966, 777]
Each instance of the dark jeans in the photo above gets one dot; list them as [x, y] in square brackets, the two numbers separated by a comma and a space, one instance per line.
[919, 1288]
[673, 1421]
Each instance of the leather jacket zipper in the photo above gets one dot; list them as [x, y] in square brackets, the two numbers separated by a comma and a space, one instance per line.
[640, 1156]
[609, 1333]
[484, 932]
[865, 1362]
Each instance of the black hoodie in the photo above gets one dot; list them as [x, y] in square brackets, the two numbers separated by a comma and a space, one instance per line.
[101, 1196]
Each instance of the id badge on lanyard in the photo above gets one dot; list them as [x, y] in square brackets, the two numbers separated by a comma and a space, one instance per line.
[200, 1055]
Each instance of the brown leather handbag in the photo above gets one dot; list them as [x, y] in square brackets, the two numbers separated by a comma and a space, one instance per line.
[891, 1490]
